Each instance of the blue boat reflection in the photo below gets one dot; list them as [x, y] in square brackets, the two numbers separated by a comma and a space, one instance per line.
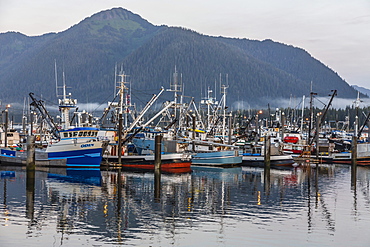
[84, 176]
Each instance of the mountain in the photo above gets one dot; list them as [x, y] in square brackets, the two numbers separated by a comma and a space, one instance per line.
[256, 72]
[362, 90]
[86, 52]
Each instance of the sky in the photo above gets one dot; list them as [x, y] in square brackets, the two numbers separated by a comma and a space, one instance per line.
[336, 32]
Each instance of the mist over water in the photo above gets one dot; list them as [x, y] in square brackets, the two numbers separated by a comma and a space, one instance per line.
[296, 103]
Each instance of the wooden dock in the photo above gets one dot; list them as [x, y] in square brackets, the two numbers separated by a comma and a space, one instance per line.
[14, 157]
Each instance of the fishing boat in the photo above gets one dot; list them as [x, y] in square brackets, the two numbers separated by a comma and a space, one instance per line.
[254, 156]
[217, 158]
[259, 159]
[139, 154]
[210, 152]
[209, 138]
[78, 145]
[170, 163]
[345, 157]
[137, 140]
[294, 144]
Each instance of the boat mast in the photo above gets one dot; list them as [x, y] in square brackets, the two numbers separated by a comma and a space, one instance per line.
[65, 104]
[223, 90]
[123, 106]
[302, 116]
[209, 102]
[357, 105]
[176, 87]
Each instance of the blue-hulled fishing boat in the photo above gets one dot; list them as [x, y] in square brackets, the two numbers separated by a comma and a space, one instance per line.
[79, 146]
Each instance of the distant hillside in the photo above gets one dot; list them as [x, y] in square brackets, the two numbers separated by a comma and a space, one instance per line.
[362, 90]
[254, 71]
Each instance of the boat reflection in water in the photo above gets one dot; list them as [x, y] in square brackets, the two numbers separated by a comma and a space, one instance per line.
[207, 207]
[83, 176]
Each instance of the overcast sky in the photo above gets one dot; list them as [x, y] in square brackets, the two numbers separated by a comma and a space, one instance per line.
[336, 32]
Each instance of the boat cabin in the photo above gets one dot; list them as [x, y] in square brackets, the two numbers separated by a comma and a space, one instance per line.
[79, 133]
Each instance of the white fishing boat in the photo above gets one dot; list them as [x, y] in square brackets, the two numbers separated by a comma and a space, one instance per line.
[78, 145]
[254, 155]
[137, 143]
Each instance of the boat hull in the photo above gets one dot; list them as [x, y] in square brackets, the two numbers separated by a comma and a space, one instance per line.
[78, 153]
[275, 160]
[171, 163]
[363, 161]
[167, 167]
[221, 158]
[79, 158]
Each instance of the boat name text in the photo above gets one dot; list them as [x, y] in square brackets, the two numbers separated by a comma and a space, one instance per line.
[87, 145]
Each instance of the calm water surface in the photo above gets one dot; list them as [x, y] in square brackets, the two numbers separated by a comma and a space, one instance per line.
[303, 206]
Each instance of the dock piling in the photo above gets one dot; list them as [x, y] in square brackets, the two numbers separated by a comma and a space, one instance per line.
[157, 167]
[30, 176]
[230, 129]
[354, 161]
[267, 151]
[120, 139]
[354, 151]
[267, 162]
[194, 126]
[157, 152]
[31, 152]
[6, 128]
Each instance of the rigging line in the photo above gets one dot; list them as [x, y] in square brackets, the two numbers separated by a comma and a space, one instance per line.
[49, 101]
[299, 104]
[138, 99]
[104, 102]
[146, 91]
[320, 101]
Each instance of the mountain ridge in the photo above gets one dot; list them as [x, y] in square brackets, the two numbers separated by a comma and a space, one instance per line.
[254, 71]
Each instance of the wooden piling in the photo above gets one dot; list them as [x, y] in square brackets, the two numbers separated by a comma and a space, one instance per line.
[317, 137]
[30, 176]
[354, 151]
[157, 167]
[6, 128]
[267, 151]
[194, 126]
[119, 152]
[157, 152]
[354, 161]
[267, 163]
[230, 129]
[282, 126]
[31, 164]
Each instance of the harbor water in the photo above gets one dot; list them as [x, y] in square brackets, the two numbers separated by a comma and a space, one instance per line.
[328, 205]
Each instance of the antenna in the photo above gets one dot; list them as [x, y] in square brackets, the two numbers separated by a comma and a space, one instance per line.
[115, 79]
[220, 83]
[215, 95]
[56, 77]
